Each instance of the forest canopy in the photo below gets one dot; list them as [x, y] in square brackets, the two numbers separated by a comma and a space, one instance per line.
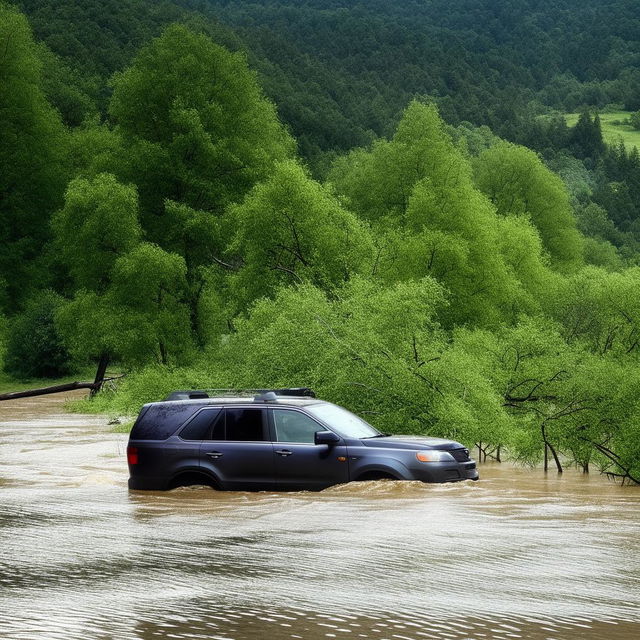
[217, 194]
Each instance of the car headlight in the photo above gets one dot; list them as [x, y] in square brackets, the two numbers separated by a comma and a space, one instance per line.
[433, 455]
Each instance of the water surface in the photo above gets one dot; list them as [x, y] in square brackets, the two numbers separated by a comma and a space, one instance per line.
[516, 555]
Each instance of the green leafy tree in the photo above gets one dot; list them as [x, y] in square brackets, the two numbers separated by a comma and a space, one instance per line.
[576, 177]
[378, 182]
[576, 403]
[128, 297]
[197, 236]
[600, 309]
[148, 294]
[95, 148]
[198, 129]
[98, 223]
[602, 253]
[518, 184]
[430, 219]
[520, 247]
[197, 134]
[594, 222]
[290, 230]
[538, 370]
[586, 136]
[32, 157]
[66, 89]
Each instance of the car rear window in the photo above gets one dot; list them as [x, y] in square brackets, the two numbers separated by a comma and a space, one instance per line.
[160, 421]
[199, 428]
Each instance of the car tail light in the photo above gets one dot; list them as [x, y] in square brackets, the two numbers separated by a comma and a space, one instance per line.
[132, 455]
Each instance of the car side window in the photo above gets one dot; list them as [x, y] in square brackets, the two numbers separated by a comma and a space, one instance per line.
[294, 426]
[199, 427]
[244, 424]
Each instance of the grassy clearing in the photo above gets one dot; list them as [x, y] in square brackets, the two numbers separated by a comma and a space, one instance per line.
[613, 128]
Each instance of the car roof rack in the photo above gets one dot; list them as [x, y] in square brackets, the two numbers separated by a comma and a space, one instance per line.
[259, 394]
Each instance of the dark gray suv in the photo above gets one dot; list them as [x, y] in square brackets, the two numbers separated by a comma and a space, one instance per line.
[277, 441]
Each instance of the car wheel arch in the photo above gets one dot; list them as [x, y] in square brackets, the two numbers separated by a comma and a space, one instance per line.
[190, 477]
[378, 472]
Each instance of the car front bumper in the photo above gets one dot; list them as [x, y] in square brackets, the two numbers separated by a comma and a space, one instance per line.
[446, 471]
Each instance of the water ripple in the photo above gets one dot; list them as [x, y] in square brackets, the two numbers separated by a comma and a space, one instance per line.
[517, 555]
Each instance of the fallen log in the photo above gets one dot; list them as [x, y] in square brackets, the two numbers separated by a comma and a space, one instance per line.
[58, 388]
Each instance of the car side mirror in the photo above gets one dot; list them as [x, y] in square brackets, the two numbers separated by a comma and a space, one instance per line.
[326, 437]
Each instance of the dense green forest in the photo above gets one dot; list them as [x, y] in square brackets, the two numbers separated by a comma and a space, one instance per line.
[343, 71]
[380, 201]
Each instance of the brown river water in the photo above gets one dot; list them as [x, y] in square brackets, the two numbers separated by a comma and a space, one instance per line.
[516, 555]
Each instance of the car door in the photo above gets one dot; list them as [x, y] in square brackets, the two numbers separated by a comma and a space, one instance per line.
[238, 451]
[299, 463]
[182, 451]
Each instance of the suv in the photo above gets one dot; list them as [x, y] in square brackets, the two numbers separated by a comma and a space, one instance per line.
[277, 440]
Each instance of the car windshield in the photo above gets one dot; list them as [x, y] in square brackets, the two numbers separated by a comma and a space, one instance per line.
[343, 422]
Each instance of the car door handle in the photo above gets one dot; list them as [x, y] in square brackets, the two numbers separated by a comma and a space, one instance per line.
[214, 454]
[284, 452]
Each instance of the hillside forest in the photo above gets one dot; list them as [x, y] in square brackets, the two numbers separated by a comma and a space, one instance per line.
[381, 201]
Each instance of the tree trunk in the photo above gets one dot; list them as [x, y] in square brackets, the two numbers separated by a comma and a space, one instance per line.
[100, 373]
[194, 300]
[548, 447]
[29, 393]
[163, 352]
[556, 459]
[546, 457]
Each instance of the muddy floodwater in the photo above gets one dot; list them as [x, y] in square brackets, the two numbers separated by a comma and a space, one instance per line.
[516, 555]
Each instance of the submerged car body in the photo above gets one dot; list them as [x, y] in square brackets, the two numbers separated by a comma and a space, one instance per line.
[277, 442]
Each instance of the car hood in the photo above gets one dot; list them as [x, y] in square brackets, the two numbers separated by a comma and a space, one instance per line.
[412, 442]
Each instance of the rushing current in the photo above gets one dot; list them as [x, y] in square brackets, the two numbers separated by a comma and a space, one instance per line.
[519, 554]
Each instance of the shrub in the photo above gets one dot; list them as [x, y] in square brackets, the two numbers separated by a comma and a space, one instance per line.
[33, 347]
[634, 120]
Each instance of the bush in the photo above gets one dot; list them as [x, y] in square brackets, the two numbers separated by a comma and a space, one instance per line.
[33, 347]
[149, 384]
